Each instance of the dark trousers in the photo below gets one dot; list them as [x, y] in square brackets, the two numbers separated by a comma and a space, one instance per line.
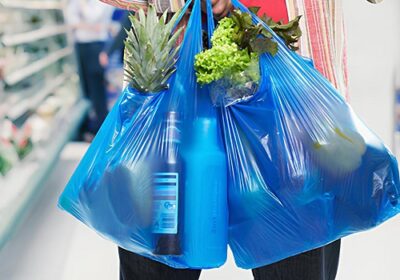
[92, 79]
[318, 264]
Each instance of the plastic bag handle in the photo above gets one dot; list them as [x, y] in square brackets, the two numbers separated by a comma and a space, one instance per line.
[182, 13]
[210, 21]
[196, 12]
[189, 48]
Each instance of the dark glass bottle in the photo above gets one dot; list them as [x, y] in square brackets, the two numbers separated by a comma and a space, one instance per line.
[168, 178]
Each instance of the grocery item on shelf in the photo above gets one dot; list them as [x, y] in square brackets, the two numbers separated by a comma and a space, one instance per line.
[19, 138]
[8, 157]
[8, 154]
[49, 107]
[68, 94]
[22, 141]
[40, 92]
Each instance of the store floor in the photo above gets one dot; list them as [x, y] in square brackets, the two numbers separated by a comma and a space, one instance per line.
[51, 245]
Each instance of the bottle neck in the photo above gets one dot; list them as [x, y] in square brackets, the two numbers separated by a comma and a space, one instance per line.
[172, 137]
[205, 132]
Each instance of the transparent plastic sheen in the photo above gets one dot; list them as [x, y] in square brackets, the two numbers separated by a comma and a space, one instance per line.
[175, 178]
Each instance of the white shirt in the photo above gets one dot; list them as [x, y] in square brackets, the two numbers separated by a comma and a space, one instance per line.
[90, 20]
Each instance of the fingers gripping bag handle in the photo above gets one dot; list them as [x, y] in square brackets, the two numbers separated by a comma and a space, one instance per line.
[130, 185]
[304, 170]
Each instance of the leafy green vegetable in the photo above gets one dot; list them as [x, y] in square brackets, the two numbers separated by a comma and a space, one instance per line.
[225, 58]
[220, 61]
[289, 32]
[224, 33]
[247, 33]
[237, 44]
[254, 9]
[253, 37]
[260, 45]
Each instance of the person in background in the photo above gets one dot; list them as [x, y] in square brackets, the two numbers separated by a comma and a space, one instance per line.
[117, 43]
[2, 65]
[322, 24]
[90, 21]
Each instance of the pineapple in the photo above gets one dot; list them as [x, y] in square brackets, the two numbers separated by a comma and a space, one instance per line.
[151, 51]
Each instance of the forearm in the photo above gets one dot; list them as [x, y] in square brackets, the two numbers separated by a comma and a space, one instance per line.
[161, 5]
[170, 5]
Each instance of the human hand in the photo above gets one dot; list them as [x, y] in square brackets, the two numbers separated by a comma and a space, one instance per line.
[220, 8]
[103, 59]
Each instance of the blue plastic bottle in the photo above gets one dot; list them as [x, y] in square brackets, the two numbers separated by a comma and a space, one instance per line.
[205, 216]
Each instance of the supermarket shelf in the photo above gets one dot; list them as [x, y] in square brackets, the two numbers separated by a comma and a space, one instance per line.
[33, 5]
[27, 37]
[17, 76]
[26, 104]
[21, 186]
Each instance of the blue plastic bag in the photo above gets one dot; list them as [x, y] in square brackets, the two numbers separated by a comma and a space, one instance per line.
[291, 167]
[130, 185]
[304, 171]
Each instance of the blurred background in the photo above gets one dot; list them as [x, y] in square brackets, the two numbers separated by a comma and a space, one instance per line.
[55, 55]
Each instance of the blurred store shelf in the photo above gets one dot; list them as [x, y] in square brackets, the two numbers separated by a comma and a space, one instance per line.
[19, 106]
[35, 5]
[19, 75]
[41, 107]
[30, 36]
[24, 181]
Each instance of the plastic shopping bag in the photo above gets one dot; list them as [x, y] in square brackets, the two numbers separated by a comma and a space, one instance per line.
[130, 185]
[304, 171]
[275, 169]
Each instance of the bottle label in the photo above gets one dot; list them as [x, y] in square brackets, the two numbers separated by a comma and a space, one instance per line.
[166, 185]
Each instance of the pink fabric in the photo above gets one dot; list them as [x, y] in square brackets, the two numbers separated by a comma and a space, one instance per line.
[276, 9]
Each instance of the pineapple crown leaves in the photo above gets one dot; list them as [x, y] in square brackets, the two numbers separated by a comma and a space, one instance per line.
[151, 50]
